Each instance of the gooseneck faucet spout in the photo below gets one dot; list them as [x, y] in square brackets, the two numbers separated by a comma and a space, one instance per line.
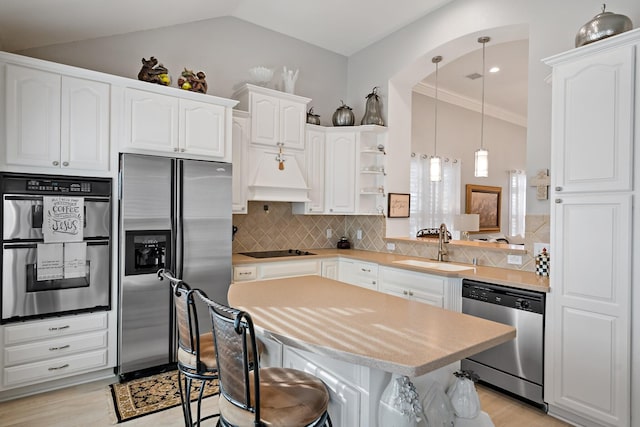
[443, 237]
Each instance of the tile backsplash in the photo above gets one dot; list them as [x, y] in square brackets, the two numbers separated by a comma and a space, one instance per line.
[279, 228]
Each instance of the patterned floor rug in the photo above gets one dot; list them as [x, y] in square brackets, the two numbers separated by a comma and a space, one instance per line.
[144, 396]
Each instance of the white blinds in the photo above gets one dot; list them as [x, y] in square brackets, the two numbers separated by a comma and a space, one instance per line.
[517, 202]
[433, 203]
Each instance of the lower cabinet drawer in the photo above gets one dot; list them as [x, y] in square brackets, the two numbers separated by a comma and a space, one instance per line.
[58, 347]
[54, 368]
[53, 328]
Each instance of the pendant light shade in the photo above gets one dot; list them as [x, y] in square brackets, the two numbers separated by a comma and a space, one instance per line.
[482, 163]
[435, 163]
[482, 155]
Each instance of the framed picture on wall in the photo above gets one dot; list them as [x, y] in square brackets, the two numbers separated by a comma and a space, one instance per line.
[398, 205]
[484, 201]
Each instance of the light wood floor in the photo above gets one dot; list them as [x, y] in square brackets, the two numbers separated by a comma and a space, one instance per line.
[89, 405]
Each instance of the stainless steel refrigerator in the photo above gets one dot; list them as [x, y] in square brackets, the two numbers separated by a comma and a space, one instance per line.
[174, 214]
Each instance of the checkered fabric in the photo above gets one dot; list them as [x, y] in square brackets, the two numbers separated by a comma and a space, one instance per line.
[542, 263]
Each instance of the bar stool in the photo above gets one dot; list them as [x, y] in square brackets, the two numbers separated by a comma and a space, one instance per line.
[254, 396]
[196, 352]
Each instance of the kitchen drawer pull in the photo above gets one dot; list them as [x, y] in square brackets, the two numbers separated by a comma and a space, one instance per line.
[558, 200]
[59, 328]
[245, 273]
[410, 293]
[405, 293]
[65, 163]
[66, 365]
[366, 270]
[56, 163]
[62, 347]
[558, 188]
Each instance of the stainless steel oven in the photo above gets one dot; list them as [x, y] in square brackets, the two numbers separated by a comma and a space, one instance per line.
[25, 293]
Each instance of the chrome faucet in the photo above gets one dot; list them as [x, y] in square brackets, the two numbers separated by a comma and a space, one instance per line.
[443, 237]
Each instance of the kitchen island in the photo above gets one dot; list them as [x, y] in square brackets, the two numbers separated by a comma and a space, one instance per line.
[355, 338]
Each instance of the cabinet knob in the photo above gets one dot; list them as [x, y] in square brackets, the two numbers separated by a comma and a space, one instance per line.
[65, 163]
[330, 210]
[410, 293]
[405, 292]
[175, 150]
[558, 188]
[182, 150]
[558, 200]
[56, 163]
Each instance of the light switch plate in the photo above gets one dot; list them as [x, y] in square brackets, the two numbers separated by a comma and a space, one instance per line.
[391, 246]
[359, 234]
[329, 233]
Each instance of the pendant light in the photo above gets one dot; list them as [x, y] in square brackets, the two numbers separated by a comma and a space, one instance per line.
[482, 155]
[435, 163]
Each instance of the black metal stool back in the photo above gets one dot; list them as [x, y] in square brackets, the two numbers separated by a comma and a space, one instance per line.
[196, 356]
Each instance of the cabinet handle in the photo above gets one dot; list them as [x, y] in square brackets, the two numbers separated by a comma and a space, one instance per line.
[182, 150]
[246, 273]
[558, 200]
[330, 210]
[175, 150]
[558, 188]
[66, 365]
[56, 163]
[410, 293]
[405, 293]
[59, 328]
[373, 282]
[366, 270]
[62, 347]
[65, 163]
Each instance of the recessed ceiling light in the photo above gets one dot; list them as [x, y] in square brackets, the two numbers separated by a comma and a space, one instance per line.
[494, 69]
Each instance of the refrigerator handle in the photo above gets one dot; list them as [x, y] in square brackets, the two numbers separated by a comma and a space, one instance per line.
[178, 212]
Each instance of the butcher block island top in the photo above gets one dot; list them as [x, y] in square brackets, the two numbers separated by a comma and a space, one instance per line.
[363, 326]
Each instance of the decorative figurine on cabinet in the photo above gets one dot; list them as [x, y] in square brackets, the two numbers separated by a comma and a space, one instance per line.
[193, 82]
[153, 72]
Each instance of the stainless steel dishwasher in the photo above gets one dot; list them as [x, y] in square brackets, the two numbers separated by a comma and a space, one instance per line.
[515, 366]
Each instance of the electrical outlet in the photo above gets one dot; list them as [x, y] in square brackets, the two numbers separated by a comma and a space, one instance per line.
[391, 246]
[359, 234]
[329, 233]
[514, 259]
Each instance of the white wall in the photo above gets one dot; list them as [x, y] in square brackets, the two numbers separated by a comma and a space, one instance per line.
[399, 61]
[224, 48]
[459, 137]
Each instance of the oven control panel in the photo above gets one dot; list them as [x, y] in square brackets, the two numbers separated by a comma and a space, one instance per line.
[54, 186]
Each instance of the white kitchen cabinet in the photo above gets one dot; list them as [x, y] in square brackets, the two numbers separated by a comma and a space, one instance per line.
[239, 143]
[160, 123]
[588, 355]
[359, 273]
[340, 172]
[344, 396]
[315, 168]
[44, 350]
[412, 285]
[330, 269]
[276, 270]
[276, 117]
[56, 121]
[593, 120]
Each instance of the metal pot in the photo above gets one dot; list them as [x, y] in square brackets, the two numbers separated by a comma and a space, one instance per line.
[313, 119]
[603, 25]
[343, 116]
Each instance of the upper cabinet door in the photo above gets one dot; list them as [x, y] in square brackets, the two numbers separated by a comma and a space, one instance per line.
[340, 172]
[150, 121]
[265, 119]
[202, 128]
[85, 124]
[592, 129]
[292, 124]
[32, 117]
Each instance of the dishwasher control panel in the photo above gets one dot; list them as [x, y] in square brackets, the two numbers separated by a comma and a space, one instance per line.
[504, 296]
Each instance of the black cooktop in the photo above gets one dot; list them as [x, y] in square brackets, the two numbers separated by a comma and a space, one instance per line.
[276, 254]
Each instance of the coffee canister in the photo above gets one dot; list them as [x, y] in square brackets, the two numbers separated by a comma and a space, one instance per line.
[542, 263]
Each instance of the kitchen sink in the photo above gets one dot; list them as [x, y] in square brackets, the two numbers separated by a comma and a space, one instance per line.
[435, 265]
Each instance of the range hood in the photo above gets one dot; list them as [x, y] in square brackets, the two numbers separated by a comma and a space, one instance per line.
[268, 183]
